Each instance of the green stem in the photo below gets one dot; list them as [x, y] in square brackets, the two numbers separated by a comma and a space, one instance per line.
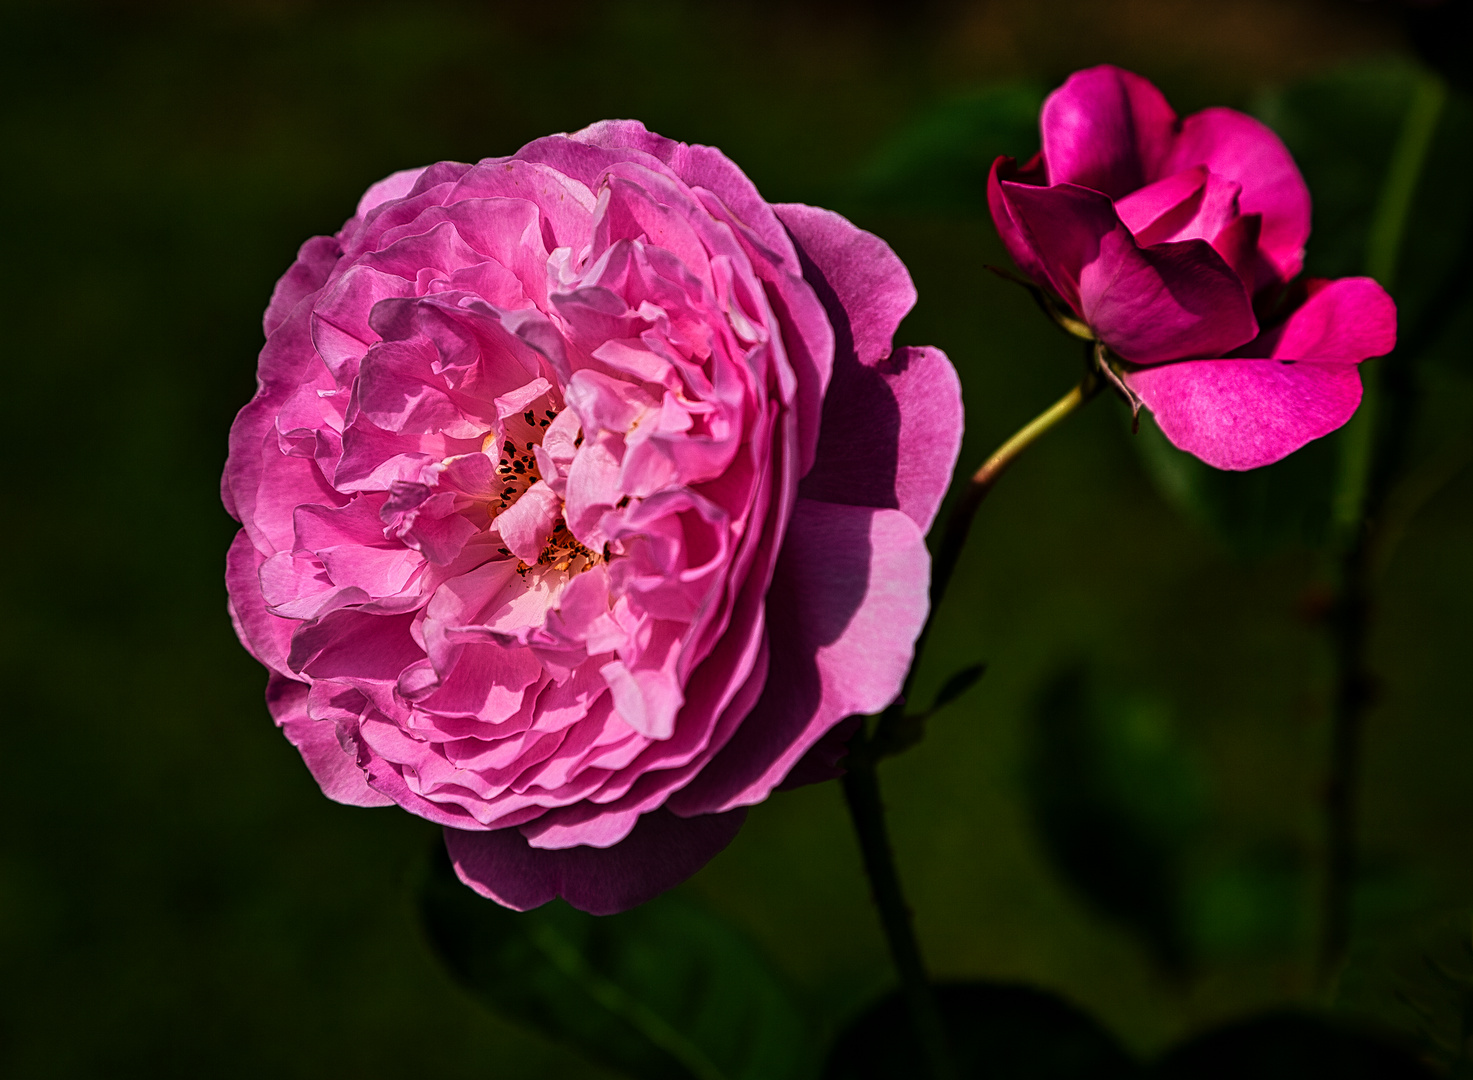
[959, 522]
[861, 780]
[862, 793]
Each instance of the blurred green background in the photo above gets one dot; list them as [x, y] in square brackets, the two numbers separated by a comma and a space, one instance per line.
[177, 898]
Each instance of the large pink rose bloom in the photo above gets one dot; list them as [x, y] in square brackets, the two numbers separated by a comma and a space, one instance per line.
[582, 497]
[1172, 241]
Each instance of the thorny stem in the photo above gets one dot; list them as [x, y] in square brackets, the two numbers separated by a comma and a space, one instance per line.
[861, 779]
[1376, 450]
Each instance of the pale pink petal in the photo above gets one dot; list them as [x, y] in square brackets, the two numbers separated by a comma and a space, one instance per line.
[394, 186]
[865, 288]
[335, 770]
[526, 524]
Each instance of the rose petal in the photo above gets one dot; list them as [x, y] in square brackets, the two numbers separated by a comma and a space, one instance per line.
[661, 851]
[1241, 414]
[1106, 129]
[335, 770]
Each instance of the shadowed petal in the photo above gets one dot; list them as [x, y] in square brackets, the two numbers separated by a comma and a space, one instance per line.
[1148, 304]
[661, 851]
[846, 605]
[1013, 237]
[869, 289]
[891, 434]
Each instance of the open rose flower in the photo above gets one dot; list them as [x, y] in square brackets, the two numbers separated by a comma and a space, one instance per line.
[1173, 241]
[582, 498]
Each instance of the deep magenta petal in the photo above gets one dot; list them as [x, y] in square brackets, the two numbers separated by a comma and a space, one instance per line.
[1106, 129]
[1239, 148]
[1350, 319]
[661, 851]
[1149, 305]
[1013, 237]
[1241, 414]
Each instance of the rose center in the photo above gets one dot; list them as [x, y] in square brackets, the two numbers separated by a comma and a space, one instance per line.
[516, 471]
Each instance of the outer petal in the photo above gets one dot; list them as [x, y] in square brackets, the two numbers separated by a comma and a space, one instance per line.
[1350, 319]
[315, 261]
[394, 186]
[1151, 304]
[864, 286]
[847, 602]
[1012, 235]
[1240, 414]
[334, 769]
[1241, 149]
[891, 434]
[661, 852]
[1106, 129]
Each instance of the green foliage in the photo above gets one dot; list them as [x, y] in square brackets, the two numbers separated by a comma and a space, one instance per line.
[667, 991]
[1118, 803]
[939, 161]
[996, 1031]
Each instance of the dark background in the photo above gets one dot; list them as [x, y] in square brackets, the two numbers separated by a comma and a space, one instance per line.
[177, 898]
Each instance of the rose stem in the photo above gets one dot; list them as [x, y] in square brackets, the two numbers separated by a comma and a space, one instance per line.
[862, 793]
[861, 778]
[1374, 453]
[959, 522]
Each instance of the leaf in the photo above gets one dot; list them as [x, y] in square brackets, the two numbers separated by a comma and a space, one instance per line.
[958, 685]
[997, 1031]
[938, 162]
[667, 991]
[1253, 513]
[1118, 804]
[1291, 1046]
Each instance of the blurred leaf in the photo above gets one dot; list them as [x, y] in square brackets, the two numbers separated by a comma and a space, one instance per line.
[667, 990]
[1253, 513]
[958, 685]
[1118, 803]
[1418, 980]
[1253, 903]
[939, 162]
[1292, 1047]
[999, 1032]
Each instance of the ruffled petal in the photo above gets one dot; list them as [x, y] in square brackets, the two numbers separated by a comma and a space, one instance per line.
[660, 852]
[335, 770]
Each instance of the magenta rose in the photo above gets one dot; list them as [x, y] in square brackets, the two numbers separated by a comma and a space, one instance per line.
[582, 500]
[1173, 242]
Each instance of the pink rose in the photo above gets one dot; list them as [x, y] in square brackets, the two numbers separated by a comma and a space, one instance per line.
[581, 499]
[1172, 241]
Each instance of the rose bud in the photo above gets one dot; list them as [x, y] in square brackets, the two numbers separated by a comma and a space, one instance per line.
[1172, 242]
[582, 500]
